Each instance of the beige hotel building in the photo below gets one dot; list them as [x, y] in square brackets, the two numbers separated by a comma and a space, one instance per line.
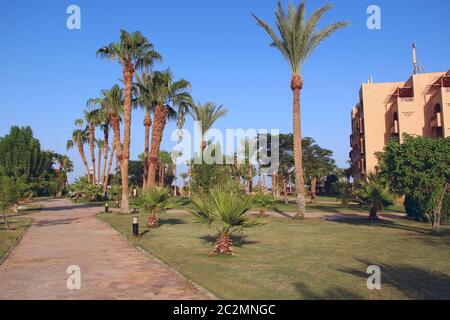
[418, 106]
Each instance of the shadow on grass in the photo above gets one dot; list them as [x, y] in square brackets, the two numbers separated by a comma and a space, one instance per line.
[329, 294]
[415, 283]
[238, 240]
[392, 224]
[171, 221]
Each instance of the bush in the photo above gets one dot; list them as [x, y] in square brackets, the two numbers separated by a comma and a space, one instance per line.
[415, 210]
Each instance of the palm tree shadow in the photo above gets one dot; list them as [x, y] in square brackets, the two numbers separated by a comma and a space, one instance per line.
[238, 240]
[171, 221]
[329, 294]
[415, 283]
[391, 224]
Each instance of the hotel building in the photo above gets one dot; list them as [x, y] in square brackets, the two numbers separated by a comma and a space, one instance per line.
[418, 106]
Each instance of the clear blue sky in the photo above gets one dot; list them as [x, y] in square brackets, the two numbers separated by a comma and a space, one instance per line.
[48, 72]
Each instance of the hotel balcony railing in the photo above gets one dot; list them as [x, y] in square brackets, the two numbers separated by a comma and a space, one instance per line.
[394, 127]
[405, 92]
[436, 121]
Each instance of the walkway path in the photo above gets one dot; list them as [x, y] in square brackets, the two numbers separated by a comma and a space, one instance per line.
[64, 234]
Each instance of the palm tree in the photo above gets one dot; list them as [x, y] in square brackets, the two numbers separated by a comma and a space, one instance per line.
[79, 139]
[92, 122]
[110, 111]
[172, 101]
[65, 166]
[154, 201]
[375, 195]
[134, 52]
[146, 101]
[225, 209]
[298, 39]
[183, 176]
[100, 144]
[207, 114]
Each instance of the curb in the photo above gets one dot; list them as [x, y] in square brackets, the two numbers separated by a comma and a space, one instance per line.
[19, 239]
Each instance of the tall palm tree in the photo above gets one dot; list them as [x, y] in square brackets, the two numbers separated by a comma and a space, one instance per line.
[92, 122]
[172, 100]
[146, 101]
[207, 114]
[79, 139]
[134, 52]
[100, 144]
[110, 103]
[296, 41]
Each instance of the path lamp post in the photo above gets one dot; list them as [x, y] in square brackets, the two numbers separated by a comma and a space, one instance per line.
[135, 226]
[106, 207]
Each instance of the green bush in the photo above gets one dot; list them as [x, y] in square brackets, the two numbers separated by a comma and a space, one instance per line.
[415, 210]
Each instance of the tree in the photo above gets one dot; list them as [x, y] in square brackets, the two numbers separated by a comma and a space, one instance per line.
[9, 196]
[264, 201]
[22, 160]
[420, 169]
[79, 139]
[224, 208]
[92, 122]
[65, 166]
[374, 194]
[207, 114]
[172, 100]
[317, 163]
[100, 144]
[298, 39]
[155, 201]
[110, 103]
[146, 101]
[133, 52]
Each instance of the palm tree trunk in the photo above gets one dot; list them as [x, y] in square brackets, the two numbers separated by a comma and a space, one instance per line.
[286, 199]
[296, 86]
[147, 124]
[92, 150]
[160, 120]
[111, 157]
[99, 163]
[83, 158]
[175, 179]
[128, 72]
[105, 152]
[313, 189]
[223, 245]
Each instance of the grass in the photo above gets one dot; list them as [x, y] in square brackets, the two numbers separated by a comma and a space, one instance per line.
[9, 238]
[304, 259]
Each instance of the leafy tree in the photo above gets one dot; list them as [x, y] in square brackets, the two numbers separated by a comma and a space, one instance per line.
[420, 169]
[9, 196]
[296, 41]
[374, 194]
[224, 208]
[133, 52]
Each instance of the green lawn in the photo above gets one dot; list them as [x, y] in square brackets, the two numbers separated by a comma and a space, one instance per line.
[9, 238]
[304, 259]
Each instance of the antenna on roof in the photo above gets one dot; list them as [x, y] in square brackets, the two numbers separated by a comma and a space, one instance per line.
[417, 67]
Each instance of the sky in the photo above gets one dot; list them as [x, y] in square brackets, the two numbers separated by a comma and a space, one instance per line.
[48, 72]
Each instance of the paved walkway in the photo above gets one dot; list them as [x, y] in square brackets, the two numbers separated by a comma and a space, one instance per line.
[64, 234]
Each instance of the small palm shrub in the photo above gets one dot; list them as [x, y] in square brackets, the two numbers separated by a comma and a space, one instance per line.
[344, 192]
[155, 201]
[375, 195]
[224, 208]
[264, 201]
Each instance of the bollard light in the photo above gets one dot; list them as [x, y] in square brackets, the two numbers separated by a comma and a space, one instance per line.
[106, 207]
[135, 226]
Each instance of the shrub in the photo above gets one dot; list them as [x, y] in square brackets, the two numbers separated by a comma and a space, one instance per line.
[155, 201]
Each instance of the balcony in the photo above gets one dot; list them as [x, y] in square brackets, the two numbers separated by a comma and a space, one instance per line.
[394, 127]
[405, 92]
[436, 120]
